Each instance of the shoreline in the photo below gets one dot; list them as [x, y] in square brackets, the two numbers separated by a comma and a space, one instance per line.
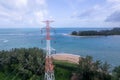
[88, 36]
[81, 36]
[66, 57]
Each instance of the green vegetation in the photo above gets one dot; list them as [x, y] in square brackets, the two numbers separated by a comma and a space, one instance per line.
[89, 70]
[63, 70]
[22, 64]
[114, 31]
[28, 64]
[116, 73]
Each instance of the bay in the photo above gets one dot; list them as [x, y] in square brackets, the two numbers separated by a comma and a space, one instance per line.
[104, 48]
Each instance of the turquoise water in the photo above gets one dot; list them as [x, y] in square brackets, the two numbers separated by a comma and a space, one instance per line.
[101, 48]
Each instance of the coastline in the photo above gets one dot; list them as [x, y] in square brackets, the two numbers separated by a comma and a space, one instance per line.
[81, 36]
[87, 36]
[66, 57]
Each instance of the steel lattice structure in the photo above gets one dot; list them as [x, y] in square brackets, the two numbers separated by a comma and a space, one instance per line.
[49, 67]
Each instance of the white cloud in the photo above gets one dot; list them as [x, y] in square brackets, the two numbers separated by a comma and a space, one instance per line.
[114, 4]
[41, 2]
[95, 13]
[4, 14]
[25, 12]
[14, 4]
[39, 16]
[113, 12]
[21, 3]
[114, 1]
[98, 13]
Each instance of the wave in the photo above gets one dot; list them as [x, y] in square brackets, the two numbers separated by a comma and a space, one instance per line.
[5, 41]
[64, 34]
[29, 34]
[69, 35]
[12, 34]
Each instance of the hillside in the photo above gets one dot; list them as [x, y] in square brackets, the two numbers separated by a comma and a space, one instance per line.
[28, 64]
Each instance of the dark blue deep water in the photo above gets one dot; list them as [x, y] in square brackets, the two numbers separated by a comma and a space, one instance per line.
[100, 47]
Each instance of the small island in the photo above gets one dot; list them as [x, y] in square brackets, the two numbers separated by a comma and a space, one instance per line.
[114, 31]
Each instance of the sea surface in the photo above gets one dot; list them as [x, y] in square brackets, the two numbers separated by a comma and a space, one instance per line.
[104, 48]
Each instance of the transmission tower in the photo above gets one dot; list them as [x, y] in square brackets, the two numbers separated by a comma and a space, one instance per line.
[49, 67]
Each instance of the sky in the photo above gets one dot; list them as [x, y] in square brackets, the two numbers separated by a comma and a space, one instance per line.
[65, 13]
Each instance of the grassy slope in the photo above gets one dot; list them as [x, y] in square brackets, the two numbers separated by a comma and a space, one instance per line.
[63, 70]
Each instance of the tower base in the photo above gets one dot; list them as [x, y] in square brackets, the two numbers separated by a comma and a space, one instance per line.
[49, 76]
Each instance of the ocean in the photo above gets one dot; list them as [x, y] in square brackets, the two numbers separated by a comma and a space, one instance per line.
[104, 48]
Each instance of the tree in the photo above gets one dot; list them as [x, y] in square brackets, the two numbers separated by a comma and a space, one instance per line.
[74, 33]
[23, 62]
[114, 31]
[92, 70]
[116, 72]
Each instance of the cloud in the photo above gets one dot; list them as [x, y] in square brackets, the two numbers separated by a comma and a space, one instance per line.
[114, 17]
[73, 4]
[93, 13]
[113, 1]
[41, 2]
[21, 3]
[98, 12]
[114, 4]
[14, 4]
[83, 14]
[23, 12]
[86, 13]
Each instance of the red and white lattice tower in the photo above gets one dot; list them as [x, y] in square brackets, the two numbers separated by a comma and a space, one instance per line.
[49, 67]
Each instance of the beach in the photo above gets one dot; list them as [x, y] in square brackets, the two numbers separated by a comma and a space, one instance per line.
[66, 57]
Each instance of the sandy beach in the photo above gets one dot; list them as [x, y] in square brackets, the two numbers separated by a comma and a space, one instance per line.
[66, 57]
[84, 36]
